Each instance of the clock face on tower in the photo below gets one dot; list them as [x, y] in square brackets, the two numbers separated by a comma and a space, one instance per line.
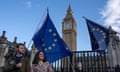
[67, 26]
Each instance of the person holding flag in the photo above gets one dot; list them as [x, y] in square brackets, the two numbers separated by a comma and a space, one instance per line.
[51, 46]
[48, 41]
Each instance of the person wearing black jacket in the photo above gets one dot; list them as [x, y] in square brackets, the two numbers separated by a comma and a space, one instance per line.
[19, 62]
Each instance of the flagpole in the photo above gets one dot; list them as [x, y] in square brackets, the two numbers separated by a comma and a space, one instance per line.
[37, 28]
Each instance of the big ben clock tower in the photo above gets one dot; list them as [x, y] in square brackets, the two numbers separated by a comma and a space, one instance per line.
[69, 29]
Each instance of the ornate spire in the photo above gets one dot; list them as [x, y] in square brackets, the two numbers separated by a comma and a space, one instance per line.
[3, 34]
[15, 40]
[3, 39]
[69, 10]
[24, 43]
[112, 31]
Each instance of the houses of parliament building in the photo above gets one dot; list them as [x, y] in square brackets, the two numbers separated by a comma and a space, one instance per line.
[89, 59]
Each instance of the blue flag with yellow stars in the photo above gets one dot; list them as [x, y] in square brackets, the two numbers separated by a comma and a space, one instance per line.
[99, 36]
[48, 40]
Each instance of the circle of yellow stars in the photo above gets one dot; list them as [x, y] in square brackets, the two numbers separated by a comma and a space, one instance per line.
[102, 32]
[54, 41]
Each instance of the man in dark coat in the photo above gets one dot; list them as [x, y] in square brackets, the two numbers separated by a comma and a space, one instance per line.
[19, 62]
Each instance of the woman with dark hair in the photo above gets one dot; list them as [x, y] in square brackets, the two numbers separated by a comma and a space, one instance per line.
[40, 64]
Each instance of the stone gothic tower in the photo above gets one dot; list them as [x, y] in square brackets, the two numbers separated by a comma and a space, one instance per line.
[114, 48]
[69, 35]
[69, 30]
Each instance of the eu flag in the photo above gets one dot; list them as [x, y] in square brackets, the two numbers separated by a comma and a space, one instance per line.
[48, 40]
[99, 35]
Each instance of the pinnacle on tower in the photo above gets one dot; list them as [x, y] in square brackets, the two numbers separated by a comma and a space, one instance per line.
[69, 10]
[3, 34]
[15, 40]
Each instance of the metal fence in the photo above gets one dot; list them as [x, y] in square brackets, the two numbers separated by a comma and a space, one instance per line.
[91, 62]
